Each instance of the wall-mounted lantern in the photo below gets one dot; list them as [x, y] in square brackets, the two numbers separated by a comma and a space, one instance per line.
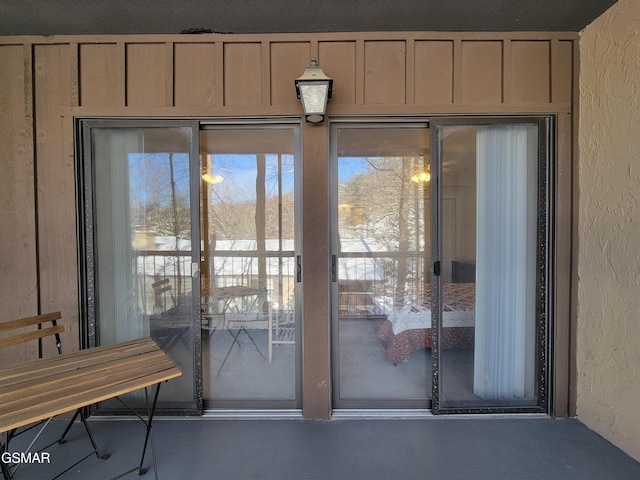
[314, 90]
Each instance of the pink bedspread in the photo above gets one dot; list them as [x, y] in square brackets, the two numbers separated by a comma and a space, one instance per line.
[457, 297]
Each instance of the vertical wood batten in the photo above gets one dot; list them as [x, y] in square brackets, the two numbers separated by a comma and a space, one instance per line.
[563, 257]
[122, 71]
[457, 71]
[574, 51]
[74, 54]
[410, 73]
[29, 102]
[169, 75]
[18, 255]
[55, 174]
[360, 66]
[507, 77]
[218, 75]
[265, 74]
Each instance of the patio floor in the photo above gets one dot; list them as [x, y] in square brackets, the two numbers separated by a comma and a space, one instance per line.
[431, 448]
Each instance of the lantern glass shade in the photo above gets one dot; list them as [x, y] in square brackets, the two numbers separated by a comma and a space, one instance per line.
[314, 98]
[314, 90]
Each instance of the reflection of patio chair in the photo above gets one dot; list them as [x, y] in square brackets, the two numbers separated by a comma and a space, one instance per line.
[235, 311]
[282, 330]
[160, 290]
[168, 325]
[355, 303]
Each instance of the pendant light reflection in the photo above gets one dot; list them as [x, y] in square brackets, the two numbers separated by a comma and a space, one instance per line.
[207, 166]
[421, 177]
[212, 179]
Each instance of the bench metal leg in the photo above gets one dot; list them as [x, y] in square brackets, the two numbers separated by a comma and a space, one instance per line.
[83, 419]
[148, 436]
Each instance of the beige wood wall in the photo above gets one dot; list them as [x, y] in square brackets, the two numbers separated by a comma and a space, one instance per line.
[45, 82]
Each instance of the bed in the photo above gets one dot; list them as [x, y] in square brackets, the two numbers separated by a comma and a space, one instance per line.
[409, 329]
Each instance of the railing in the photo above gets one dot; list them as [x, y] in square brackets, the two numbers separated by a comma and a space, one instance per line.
[277, 275]
[370, 283]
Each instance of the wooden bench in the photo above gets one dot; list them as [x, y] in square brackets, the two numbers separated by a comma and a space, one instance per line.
[42, 388]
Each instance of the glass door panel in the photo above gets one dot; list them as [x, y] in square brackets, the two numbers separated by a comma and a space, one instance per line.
[249, 270]
[381, 240]
[487, 302]
[139, 230]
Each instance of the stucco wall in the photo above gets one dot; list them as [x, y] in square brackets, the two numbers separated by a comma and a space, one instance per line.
[608, 321]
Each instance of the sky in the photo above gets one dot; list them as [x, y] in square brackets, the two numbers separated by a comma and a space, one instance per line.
[149, 174]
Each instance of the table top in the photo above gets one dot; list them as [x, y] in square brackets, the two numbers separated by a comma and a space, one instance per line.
[39, 389]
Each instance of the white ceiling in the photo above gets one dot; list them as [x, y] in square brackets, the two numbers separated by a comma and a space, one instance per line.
[59, 17]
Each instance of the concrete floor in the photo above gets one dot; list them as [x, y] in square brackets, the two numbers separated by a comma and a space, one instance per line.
[432, 448]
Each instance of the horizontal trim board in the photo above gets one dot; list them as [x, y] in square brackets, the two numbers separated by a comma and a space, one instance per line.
[338, 110]
[293, 37]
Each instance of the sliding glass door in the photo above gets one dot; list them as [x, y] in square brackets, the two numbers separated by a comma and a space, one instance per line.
[139, 187]
[250, 302]
[490, 262]
[381, 265]
[440, 264]
[224, 304]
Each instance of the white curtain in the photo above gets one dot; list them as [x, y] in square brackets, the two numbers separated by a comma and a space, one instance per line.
[119, 317]
[504, 366]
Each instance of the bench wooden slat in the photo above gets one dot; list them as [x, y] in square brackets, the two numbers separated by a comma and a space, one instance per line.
[162, 290]
[27, 336]
[29, 321]
[53, 377]
[80, 359]
[100, 354]
[40, 394]
[29, 384]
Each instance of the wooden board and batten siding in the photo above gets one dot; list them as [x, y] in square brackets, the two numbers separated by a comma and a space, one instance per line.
[46, 82]
[230, 75]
